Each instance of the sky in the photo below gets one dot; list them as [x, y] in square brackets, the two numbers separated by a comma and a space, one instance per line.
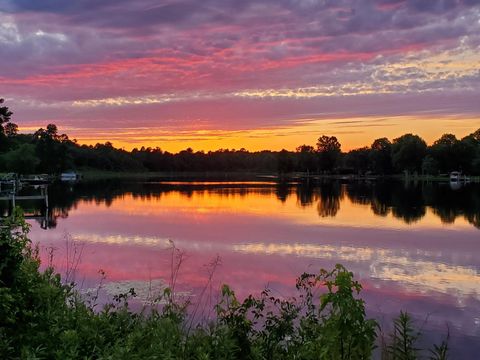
[265, 74]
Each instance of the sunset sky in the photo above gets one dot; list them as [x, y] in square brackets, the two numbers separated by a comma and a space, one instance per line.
[265, 74]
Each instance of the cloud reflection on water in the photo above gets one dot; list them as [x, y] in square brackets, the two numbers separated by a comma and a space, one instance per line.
[384, 264]
[420, 254]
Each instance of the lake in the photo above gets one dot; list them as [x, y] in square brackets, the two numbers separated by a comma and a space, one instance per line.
[413, 246]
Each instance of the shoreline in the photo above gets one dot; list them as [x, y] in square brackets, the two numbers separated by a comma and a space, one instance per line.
[103, 175]
[90, 175]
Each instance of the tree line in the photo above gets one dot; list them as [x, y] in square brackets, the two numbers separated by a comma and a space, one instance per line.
[48, 151]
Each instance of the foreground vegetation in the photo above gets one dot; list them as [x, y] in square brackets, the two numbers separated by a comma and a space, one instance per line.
[43, 318]
[48, 151]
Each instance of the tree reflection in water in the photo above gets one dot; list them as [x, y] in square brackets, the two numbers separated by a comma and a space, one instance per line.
[329, 196]
[407, 201]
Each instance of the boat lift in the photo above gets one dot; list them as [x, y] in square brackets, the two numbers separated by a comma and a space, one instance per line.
[10, 187]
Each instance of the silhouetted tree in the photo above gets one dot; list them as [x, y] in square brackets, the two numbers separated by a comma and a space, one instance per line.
[467, 150]
[476, 135]
[381, 156]
[22, 160]
[11, 129]
[446, 152]
[430, 165]
[5, 116]
[285, 162]
[51, 149]
[307, 158]
[329, 152]
[358, 160]
[408, 152]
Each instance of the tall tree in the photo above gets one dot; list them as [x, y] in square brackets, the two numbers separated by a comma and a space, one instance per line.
[306, 157]
[51, 148]
[446, 152]
[470, 153]
[22, 160]
[329, 150]
[11, 129]
[408, 152]
[381, 156]
[285, 162]
[430, 165]
[5, 116]
[358, 160]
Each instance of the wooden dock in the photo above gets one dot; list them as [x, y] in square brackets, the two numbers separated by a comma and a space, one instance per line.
[27, 197]
[11, 189]
[13, 196]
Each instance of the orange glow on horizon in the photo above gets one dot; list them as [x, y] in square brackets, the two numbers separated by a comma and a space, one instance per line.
[352, 133]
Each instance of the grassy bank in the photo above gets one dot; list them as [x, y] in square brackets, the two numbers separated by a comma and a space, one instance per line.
[44, 318]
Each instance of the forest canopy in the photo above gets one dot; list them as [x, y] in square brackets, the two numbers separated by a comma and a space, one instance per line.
[49, 151]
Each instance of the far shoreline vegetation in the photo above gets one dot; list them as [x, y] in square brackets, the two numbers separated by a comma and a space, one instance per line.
[48, 151]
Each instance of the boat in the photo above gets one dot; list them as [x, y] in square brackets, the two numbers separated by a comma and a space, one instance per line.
[455, 176]
[70, 176]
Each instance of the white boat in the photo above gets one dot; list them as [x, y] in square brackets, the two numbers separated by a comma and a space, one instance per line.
[455, 176]
[69, 176]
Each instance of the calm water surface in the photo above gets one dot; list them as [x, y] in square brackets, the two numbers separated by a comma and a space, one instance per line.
[414, 247]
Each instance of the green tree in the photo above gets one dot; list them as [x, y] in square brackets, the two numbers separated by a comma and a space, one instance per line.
[285, 162]
[11, 129]
[358, 160]
[22, 160]
[329, 150]
[468, 153]
[408, 152]
[446, 152]
[381, 156]
[476, 162]
[476, 135]
[307, 159]
[52, 149]
[430, 166]
[5, 116]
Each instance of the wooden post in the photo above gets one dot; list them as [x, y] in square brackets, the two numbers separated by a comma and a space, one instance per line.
[46, 196]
